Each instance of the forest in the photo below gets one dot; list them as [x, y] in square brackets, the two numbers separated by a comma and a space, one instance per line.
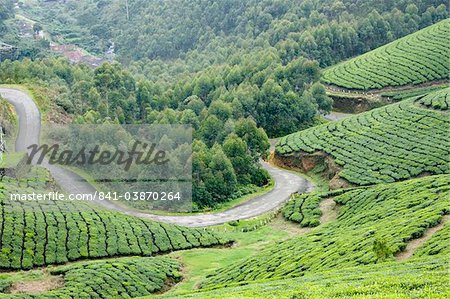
[252, 74]
[319, 159]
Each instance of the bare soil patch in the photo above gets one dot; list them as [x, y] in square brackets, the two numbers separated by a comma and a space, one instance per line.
[416, 243]
[329, 210]
[293, 229]
[37, 286]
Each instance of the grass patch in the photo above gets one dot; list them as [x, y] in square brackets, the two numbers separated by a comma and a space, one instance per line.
[198, 264]
[11, 160]
[419, 278]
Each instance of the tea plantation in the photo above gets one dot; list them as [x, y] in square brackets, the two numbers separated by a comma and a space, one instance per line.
[438, 100]
[388, 144]
[38, 233]
[438, 244]
[399, 95]
[373, 225]
[119, 278]
[417, 58]
[304, 208]
[419, 278]
[369, 216]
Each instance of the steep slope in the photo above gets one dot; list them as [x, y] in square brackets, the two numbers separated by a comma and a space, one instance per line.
[374, 224]
[417, 58]
[406, 280]
[426, 272]
[392, 143]
[437, 244]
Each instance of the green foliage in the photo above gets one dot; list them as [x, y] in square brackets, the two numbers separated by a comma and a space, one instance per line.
[209, 32]
[319, 93]
[6, 12]
[437, 244]
[111, 94]
[38, 233]
[246, 225]
[236, 149]
[7, 117]
[414, 59]
[439, 100]
[417, 278]
[409, 93]
[274, 94]
[235, 70]
[393, 213]
[304, 209]
[14, 161]
[388, 144]
[117, 278]
[381, 250]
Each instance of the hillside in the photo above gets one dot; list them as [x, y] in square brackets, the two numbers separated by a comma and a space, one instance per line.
[405, 280]
[287, 149]
[37, 233]
[373, 225]
[392, 143]
[417, 58]
[113, 278]
[207, 32]
[438, 100]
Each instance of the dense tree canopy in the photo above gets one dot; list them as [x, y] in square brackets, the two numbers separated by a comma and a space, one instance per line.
[227, 142]
[236, 71]
[182, 36]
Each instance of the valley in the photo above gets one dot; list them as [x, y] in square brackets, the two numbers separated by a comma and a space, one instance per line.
[310, 138]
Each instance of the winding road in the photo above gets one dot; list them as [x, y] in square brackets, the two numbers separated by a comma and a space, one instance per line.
[286, 182]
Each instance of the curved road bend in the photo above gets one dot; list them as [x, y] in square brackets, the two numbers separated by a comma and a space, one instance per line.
[286, 182]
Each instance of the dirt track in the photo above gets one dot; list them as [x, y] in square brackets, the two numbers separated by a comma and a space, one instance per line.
[416, 243]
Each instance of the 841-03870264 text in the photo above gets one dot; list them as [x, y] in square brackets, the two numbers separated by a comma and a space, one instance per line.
[114, 196]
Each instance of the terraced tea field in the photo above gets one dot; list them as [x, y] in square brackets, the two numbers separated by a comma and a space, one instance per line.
[117, 278]
[373, 225]
[417, 58]
[369, 217]
[426, 272]
[438, 100]
[399, 95]
[438, 244]
[388, 144]
[38, 233]
[405, 280]
[305, 208]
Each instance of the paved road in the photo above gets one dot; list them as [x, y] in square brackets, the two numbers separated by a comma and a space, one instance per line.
[286, 182]
[29, 117]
